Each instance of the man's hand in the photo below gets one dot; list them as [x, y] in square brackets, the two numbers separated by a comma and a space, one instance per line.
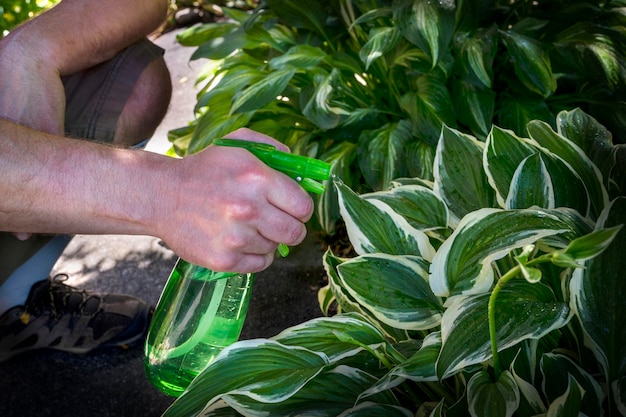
[232, 211]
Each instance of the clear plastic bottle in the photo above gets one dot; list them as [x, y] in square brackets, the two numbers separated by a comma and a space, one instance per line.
[199, 313]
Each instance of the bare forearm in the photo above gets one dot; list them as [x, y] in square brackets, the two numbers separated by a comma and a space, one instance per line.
[52, 184]
[77, 34]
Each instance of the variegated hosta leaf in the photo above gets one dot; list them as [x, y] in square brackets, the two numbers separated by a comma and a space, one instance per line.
[531, 185]
[522, 311]
[531, 63]
[315, 398]
[420, 367]
[462, 265]
[261, 369]
[475, 106]
[320, 335]
[320, 109]
[529, 396]
[381, 40]
[493, 399]
[591, 136]
[619, 394]
[567, 404]
[373, 227]
[477, 52]
[575, 157]
[394, 289]
[370, 409]
[380, 153]
[429, 25]
[504, 151]
[419, 205]
[344, 300]
[459, 176]
[558, 369]
[341, 158]
[597, 294]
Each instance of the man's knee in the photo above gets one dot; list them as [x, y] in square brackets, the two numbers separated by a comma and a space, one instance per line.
[146, 105]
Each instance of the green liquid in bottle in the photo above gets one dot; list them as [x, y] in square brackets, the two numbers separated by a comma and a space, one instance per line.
[196, 317]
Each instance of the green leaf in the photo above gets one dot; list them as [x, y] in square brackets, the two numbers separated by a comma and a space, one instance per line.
[593, 244]
[598, 293]
[593, 138]
[619, 394]
[474, 106]
[476, 55]
[462, 265]
[429, 108]
[369, 409]
[199, 34]
[531, 63]
[522, 310]
[530, 399]
[394, 289]
[320, 109]
[504, 153]
[381, 40]
[575, 157]
[215, 124]
[420, 367]
[494, 399]
[316, 399]
[559, 370]
[428, 25]
[262, 92]
[459, 176]
[531, 185]
[567, 404]
[305, 15]
[261, 369]
[299, 56]
[420, 206]
[373, 227]
[380, 152]
[515, 112]
[319, 335]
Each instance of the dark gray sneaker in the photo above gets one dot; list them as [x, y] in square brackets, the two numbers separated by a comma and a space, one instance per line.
[57, 316]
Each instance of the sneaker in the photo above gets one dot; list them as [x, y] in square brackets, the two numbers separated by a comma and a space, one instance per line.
[57, 316]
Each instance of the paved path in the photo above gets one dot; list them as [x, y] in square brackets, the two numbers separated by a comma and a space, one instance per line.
[112, 382]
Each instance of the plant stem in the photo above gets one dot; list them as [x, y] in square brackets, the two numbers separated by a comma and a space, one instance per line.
[491, 312]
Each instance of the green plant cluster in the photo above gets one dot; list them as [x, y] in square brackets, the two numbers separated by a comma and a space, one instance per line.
[368, 84]
[14, 12]
[497, 289]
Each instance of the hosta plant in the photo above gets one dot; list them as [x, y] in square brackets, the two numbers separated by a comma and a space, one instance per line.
[497, 289]
[368, 84]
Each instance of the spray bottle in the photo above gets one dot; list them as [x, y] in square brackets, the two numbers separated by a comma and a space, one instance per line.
[201, 311]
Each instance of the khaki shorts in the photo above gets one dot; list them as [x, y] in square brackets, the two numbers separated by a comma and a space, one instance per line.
[96, 97]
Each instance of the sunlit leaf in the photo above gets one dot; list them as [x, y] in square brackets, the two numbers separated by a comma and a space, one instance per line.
[261, 369]
[459, 176]
[262, 92]
[394, 289]
[462, 265]
[522, 311]
[419, 205]
[374, 227]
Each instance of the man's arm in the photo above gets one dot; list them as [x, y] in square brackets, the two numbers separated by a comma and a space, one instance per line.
[220, 208]
[72, 36]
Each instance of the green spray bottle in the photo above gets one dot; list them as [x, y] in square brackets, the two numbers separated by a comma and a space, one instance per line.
[201, 311]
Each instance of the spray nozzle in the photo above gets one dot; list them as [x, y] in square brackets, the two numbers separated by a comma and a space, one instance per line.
[306, 171]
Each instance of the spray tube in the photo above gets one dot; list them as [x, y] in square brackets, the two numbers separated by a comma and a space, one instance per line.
[201, 311]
